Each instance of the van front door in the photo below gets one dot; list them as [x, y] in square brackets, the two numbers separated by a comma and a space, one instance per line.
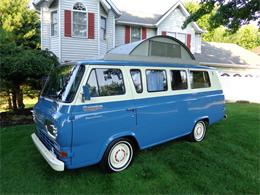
[108, 114]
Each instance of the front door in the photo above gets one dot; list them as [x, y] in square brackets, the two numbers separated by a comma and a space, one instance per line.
[106, 115]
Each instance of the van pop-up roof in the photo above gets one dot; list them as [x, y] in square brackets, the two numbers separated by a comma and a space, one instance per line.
[163, 49]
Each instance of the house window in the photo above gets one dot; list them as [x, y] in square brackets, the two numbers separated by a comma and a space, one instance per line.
[54, 23]
[156, 80]
[79, 20]
[182, 37]
[135, 34]
[103, 29]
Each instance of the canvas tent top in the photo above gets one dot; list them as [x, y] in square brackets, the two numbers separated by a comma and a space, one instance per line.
[156, 49]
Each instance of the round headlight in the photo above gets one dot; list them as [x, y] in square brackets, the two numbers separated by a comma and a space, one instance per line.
[51, 129]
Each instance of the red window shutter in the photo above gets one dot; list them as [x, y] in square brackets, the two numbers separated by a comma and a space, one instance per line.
[144, 33]
[91, 25]
[164, 33]
[67, 23]
[189, 40]
[127, 34]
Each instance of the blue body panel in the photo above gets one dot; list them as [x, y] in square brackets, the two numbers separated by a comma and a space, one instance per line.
[85, 134]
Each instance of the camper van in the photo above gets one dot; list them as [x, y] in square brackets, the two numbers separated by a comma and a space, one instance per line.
[137, 96]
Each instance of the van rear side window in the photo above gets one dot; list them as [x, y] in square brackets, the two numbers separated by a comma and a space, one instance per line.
[179, 79]
[137, 80]
[199, 79]
[156, 80]
[106, 82]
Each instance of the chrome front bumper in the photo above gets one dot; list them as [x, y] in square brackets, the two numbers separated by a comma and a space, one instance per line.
[56, 164]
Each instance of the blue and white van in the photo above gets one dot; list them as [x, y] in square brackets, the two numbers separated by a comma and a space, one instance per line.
[138, 96]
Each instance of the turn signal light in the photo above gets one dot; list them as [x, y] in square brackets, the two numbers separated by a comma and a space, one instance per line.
[63, 154]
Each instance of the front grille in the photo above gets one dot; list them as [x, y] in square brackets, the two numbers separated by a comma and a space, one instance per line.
[49, 144]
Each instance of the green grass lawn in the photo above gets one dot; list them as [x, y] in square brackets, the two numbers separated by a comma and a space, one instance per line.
[227, 161]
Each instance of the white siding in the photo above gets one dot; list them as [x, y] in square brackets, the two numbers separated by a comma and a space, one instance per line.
[110, 30]
[108, 44]
[102, 42]
[45, 27]
[54, 46]
[174, 22]
[120, 35]
[54, 40]
[197, 43]
[73, 48]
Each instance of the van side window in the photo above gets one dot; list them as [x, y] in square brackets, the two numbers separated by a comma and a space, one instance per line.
[137, 80]
[179, 79]
[156, 80]
[199, 79]
[106, 82]
[92, 84]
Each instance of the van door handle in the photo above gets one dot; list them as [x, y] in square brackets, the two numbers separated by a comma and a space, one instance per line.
[130, 109]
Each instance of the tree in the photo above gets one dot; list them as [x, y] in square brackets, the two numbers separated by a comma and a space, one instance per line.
[231, 14]
[22, 22]
[19, 65]
[21, 61]
[247, 36]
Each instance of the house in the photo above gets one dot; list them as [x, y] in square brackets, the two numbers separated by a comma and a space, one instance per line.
[81, 29]
[239, 69]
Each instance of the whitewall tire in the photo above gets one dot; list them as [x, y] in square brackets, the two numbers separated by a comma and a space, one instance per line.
[199, 131]
[118, 156]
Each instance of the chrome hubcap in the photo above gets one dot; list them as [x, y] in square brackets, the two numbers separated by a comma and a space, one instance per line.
[199, 131]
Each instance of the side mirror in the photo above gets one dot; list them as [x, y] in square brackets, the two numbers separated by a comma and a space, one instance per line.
[86, 93]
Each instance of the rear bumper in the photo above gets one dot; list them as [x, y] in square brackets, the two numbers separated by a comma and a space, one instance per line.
[56, 164]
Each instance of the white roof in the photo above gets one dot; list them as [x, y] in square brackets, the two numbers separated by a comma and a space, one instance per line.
[227, 54]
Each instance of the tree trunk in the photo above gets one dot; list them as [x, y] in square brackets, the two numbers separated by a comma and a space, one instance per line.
[19, 96]
[14, 99]
[9, 99]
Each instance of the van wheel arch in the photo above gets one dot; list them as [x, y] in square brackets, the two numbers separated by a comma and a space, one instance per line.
[204, 119]
[134, 142]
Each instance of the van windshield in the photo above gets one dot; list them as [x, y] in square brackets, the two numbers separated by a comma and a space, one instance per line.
[63, 82]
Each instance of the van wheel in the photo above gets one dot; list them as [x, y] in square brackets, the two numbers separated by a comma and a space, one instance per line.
[199, 131]
[118, 156]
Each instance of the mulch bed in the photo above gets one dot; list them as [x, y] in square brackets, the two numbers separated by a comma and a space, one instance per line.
[20, 117]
